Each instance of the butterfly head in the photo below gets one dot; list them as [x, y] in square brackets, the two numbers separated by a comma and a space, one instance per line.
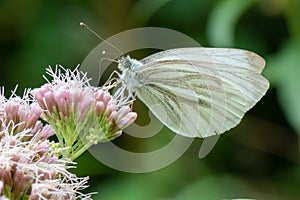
[130, 77]
[127, 63]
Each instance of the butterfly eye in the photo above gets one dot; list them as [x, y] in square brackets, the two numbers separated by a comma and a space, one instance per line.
[127, 63]
[123, 63]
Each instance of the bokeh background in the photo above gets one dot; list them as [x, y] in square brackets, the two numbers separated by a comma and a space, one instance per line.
[257, 159]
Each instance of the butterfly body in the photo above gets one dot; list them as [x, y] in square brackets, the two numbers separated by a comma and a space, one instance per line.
[196, 92]
[130, 73]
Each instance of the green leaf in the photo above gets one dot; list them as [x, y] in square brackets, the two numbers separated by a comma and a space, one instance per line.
[284, 72]
[216, 187]
[223, 19]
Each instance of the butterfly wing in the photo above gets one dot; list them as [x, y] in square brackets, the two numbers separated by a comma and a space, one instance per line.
[199, 92]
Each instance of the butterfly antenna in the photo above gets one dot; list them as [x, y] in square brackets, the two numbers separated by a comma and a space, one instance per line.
[98, 36]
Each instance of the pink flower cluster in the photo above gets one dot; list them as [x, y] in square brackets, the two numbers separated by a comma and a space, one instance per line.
[117, 118]
[32, 167]
[18, 114]
[80, 114]
[28, 159]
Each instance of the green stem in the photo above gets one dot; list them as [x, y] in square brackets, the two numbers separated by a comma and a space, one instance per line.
[80, 150]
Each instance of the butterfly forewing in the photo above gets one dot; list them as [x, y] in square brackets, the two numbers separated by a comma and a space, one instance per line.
[185, 96]
[199, 92]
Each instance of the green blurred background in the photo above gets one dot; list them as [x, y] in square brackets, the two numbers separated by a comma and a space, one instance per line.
[257, 159]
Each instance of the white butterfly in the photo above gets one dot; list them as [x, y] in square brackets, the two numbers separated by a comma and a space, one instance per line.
[196, 92]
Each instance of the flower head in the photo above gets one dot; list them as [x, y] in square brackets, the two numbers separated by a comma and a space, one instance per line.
[28, 158]
[82, 115]
[21, 113]
[24, 165]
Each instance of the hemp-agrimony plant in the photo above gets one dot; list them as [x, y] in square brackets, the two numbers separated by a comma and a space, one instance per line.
[34, 167]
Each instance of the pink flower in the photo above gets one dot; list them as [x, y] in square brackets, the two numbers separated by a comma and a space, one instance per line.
[128, 119]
